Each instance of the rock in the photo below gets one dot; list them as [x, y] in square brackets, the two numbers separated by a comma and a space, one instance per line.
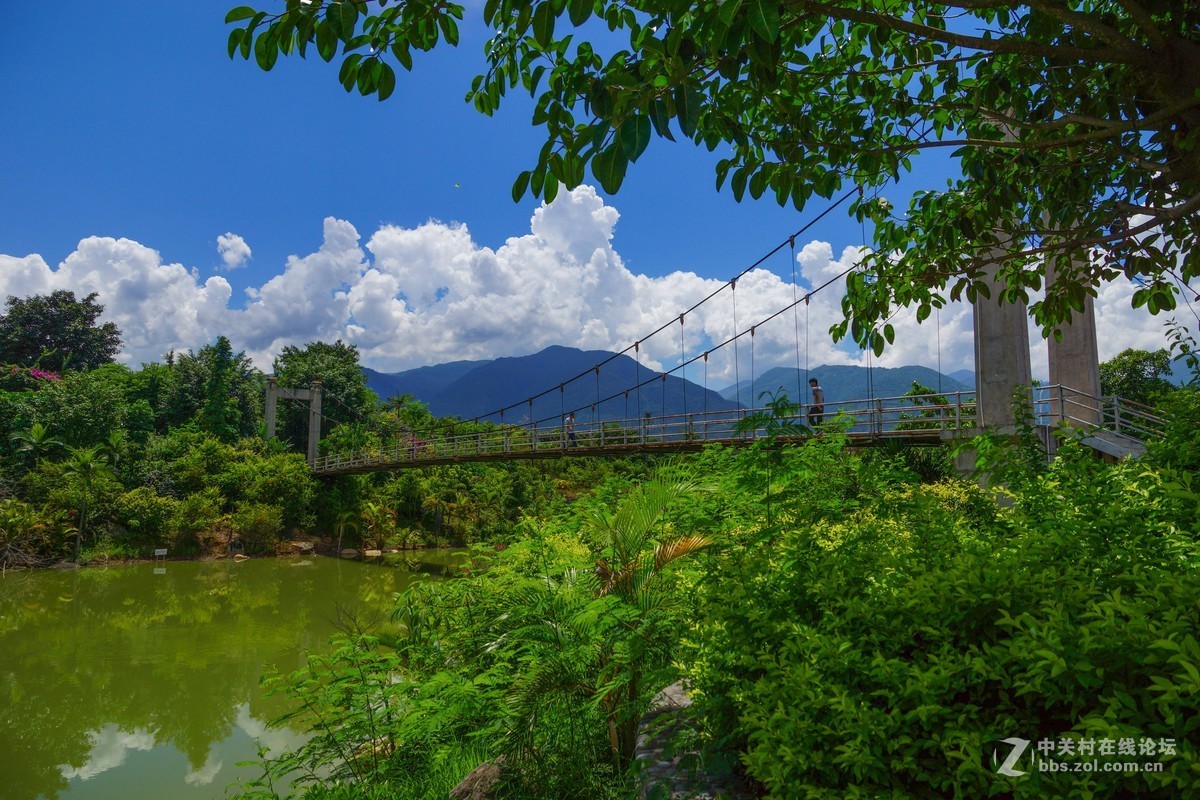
[349, 552]
[666, 771]
[480, 782]
[301, 547]
[372, 553]
[241, 557]
[65, 565]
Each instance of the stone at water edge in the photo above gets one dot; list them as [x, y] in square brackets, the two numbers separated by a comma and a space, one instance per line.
[349, 552]
[372, 553]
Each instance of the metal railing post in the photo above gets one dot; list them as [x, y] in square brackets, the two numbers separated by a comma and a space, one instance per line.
[1117, 412]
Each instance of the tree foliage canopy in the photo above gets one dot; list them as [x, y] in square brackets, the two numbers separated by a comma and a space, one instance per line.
[1137, 375]
[57, 332]
[346, 398]
[1075, 121]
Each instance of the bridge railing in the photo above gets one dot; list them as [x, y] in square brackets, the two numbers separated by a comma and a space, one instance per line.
[1056, 403]
[900, 416]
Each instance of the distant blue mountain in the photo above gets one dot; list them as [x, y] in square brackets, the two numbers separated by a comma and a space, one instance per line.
[964, 376]
[420, 382]
[841, 383]
[473, 389]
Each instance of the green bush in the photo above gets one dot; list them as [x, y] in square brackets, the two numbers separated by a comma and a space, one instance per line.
[257, 525]
[885, 652]
[146, 517]
[1180, 446]
[283, 480]
[197, 523]
[29, 536]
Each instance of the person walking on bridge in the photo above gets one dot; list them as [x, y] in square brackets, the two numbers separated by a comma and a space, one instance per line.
[816, 408]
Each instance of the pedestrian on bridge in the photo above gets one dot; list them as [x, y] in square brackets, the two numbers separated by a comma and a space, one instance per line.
[816, 409]
[569, 427]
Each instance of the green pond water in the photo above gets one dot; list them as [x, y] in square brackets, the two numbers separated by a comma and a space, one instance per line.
[142, 681]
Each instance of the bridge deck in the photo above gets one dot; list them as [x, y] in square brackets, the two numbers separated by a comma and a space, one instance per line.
[924, 420]
[383, 462]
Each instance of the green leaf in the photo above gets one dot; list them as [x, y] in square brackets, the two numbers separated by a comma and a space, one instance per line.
[520, 185]
[543, 24]
[348, 74]
[239, 13]
[764, 19]
[609, 167]
[728, 11]
[579, 10]
[635, 136]
[738, 184]
[326, 41]
[348, 17]
[661, 117]
[235, 39]
[403, 54]
[687, 109]
[449, 30]
[386, 83]
[266, 52]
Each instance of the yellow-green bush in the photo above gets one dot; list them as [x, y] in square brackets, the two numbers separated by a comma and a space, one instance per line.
[886, 653]
[146, 517]
[257, 525]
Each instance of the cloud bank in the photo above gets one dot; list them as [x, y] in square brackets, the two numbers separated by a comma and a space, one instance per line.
[409, 297]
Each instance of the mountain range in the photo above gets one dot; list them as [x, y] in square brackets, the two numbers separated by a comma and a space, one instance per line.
[842, 383]
[475, 389]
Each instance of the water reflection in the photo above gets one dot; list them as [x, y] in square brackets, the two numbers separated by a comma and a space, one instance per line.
[123, 683]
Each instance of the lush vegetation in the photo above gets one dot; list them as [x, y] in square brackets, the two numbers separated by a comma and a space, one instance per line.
[102, 461]
[850, 623]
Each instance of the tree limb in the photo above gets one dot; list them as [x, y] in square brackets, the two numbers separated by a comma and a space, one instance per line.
[1004, 44]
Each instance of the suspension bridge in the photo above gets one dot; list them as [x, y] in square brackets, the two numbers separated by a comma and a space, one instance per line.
[539, 427]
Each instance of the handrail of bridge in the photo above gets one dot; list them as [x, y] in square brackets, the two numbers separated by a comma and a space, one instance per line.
[1110, 413]
[904, 416]
[900, 417]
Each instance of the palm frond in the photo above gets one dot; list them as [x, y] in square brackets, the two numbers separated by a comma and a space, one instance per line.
[669, 551]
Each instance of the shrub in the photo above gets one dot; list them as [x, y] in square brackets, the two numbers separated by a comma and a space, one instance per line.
[197, 523]
[146, 517]
[1180, 446]
[883, 653]
[29, 536]
[257, 525]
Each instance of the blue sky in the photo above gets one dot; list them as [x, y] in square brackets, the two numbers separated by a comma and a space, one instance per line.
[133, 143]
[133, 122]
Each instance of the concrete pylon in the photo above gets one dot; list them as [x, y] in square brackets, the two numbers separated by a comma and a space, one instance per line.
[314, 421]
[1001, 353]
[311, 396]
[1075, 364]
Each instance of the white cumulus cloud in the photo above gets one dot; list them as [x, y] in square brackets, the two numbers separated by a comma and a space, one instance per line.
[408, 297]
[233, 250]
